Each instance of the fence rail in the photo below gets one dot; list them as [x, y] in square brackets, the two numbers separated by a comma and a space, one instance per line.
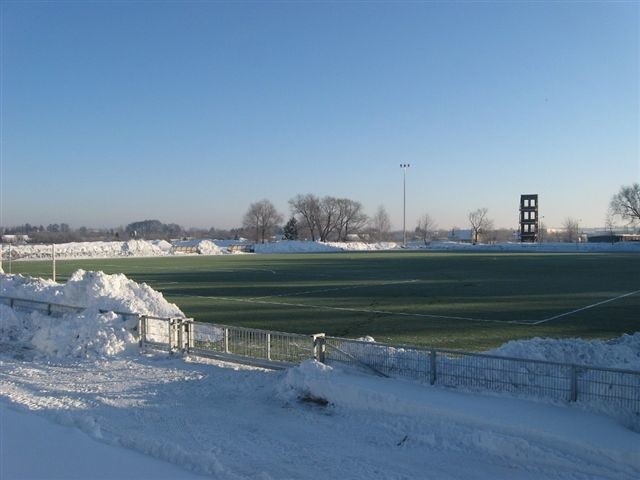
[608, 388]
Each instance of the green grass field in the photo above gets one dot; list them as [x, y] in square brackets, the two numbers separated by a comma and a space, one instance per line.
[456, 300]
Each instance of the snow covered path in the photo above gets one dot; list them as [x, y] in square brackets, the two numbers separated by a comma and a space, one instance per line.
[66, 453]
[232, 422]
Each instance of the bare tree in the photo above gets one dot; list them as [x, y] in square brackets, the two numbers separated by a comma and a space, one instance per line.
[610, 223]
[571, 229]
[351, 218]
[328, 217]
[626, 203]
[479, 223]
[380, 225]
[426, 228]
[308, 208]
[261, 218]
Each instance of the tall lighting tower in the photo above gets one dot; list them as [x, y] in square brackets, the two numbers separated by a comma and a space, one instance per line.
[404, 167]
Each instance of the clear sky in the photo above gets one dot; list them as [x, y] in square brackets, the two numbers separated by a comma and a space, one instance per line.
[187, 112]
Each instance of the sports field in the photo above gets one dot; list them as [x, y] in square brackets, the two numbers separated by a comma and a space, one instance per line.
[457, 300]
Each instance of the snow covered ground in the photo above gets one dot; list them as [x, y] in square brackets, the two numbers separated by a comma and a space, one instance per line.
[143, 248]
[77, 400]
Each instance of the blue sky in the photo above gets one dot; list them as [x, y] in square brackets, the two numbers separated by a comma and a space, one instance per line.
[187, 112]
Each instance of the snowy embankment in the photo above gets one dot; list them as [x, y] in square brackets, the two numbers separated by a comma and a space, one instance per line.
[131, 248]
[83, 370]
[143, 248]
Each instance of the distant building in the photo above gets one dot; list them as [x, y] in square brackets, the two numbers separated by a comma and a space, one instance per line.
[614, 238]
[457, 235]
[529, 218]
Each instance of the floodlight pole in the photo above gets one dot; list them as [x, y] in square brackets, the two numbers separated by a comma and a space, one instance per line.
[404, 167]
[53, 262]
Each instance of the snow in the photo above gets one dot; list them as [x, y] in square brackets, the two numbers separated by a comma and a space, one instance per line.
[622, 352]
[144, 248]
[95, 331]
[22, 432]
[77, 400]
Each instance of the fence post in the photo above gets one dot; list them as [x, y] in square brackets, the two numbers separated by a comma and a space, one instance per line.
[268, 346]
[574, 384]
[49, 308]
[180, 328]
[142, 331]
[188, 330]
[319, 347]
[226, 340]
[432, 365]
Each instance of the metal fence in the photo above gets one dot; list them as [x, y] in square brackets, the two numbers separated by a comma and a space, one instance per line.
[264, 347]
[607, 388]
[610, 388]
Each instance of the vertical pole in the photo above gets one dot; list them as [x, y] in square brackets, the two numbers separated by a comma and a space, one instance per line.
[189, 328]
[9, 257]
[432, 365]
[180, 327]
[53, 261]
[404, 167]
[1, 253]
[574, 384]
[142, 331]
[170, 334]
[268, 346]
[226, 340]
[319, 347]
[404, 206]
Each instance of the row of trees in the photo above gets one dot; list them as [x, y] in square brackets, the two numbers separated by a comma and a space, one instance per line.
[314, 218]
[330, 218]
[325, 219]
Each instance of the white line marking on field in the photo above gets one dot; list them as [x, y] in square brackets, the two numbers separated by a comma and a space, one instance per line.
[258, 300]
[593, 305]
[338, 289]
[356, 310]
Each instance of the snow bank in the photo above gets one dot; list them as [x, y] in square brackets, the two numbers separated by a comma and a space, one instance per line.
[94, 332]
[131, 248]
[622, 352]
[298, 246]
[363, 247]
[294, 246]
[201, 247]
[515, 429]
[91, 290]
[143, 248]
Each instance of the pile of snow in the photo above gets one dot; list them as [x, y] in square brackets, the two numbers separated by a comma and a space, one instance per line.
[131, 248]
[622, 352]
[299, 246]
[91, 290]
[95, 331]
[162, 245]
[295, 246]
[201, 247]
[144, 248]
[207, 247]
[363, 247]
